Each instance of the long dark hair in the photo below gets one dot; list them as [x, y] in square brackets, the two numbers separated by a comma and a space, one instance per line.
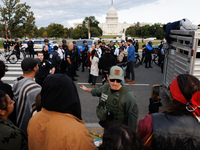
[93, 53]
[120, 137]
[188, 85]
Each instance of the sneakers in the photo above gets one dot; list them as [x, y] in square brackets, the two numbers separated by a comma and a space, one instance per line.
[126, 80]
[132, 82]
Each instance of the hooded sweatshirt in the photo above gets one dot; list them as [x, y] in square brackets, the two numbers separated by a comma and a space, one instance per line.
[25, 91]
[59, 125]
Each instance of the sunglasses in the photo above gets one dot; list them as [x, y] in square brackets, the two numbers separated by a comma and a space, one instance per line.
[113, 80]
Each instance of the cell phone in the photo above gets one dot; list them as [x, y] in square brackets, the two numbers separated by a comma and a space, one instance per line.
[155, 92]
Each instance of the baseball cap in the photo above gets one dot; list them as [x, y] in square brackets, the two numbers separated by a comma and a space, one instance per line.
[116, 72]
[28, 64]
[122, 47]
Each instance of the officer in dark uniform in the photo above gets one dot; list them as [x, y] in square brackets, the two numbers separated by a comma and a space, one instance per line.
[76, 53]
[84, 49]
[103, 48]
[64, 45]
[56, 61]
[30, 45]
[112, 47]
[6, 45]
[16, 48]
[70, 62]
[44, 68]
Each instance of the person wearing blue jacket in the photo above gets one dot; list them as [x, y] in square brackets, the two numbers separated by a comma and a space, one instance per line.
[148, 57]
[130, 63]
[84, 50]
[46, 42]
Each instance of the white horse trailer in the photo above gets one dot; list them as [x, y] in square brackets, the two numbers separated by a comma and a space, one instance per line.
[183, 56]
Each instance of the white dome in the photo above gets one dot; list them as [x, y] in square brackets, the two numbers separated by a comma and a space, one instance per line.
[112, 15]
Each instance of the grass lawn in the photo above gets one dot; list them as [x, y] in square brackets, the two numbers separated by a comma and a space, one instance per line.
[1, 44]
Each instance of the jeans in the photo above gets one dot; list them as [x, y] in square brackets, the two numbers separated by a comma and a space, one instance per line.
[129, 70]
[124, 69]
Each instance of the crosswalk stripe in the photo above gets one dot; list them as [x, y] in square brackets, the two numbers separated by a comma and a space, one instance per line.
[9, 78]
[14, 72]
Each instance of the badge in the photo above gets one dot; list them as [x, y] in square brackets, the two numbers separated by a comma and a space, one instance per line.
[44, 64]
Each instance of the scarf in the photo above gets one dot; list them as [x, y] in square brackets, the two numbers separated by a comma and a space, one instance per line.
[193, 105]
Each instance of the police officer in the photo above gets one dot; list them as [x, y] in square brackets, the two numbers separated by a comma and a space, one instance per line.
[6, 45]
[117, 104]
[148, 52]
[56, 60]
[30, 45]
[16, 48]
[46, 42]
[112, 47]
[64, 45]
[70, 62]
[44, 69]
[76, 53]
[84, 49]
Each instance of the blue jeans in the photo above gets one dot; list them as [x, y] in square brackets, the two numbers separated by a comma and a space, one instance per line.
[124, 69]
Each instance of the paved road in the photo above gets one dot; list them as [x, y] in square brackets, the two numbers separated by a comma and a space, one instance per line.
[144, 78]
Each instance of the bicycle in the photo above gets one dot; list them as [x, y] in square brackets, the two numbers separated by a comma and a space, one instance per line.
[155, 59]
[137, 60]
[12, 57]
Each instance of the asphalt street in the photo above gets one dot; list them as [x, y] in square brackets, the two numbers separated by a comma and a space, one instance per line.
[144, 80]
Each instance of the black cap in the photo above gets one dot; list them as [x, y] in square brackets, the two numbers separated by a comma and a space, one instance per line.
[122, 41]
[122, 47]
[28, 64]
[64, 41]
[55, 47]
[74, 42]
[46, 40]
[84, 41]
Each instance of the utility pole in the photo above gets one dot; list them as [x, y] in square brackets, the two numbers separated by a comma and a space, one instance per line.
[88, 27]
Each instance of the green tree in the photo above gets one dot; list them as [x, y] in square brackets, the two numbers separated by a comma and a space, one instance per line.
[94, 29]
[77, 33]
[45, 34]
[55, 30]
[18, 16]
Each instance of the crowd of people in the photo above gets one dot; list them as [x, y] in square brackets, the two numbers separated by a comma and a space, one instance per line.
[42, 109]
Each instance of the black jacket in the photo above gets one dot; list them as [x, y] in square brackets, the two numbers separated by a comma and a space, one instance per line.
[106, 61]
[172, 132]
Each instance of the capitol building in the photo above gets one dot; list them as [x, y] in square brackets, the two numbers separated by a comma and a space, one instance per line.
[112, 25]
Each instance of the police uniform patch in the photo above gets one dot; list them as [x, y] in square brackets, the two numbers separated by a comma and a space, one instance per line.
[117, 72]
[114, 101]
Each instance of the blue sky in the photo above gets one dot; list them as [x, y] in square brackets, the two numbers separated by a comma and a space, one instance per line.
[67, 12]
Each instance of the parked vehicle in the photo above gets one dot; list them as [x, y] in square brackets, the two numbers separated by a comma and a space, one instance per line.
[183, 56]
[38, 44]
[79, 43]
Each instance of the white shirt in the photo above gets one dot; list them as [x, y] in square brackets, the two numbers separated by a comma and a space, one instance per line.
[61, 53]
[99, 52]
[116, 52]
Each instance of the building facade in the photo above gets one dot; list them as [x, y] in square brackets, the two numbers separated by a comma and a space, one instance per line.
[112, 26]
